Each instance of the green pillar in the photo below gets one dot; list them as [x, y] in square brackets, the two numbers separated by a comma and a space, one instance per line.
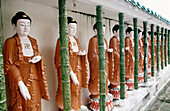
[99, 12]
[64, 52]
[165, 48]
[162, 48]
[152, 50]
[3, 105]
[135, 24]
[158, 50]
[122, 56]
[168, 46]
[145, 52]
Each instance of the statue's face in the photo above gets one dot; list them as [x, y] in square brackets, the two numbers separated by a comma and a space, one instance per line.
[104, 29]
[116, 33]
[132, 34]
[23, 27]
[140, 35]
[72, 28]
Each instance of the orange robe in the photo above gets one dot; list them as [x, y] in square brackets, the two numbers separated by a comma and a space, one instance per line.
[78, 64]
[149, 52]
[141, 53]
[166, 50]
[114, 60]
[132, 44]
[155, 50]
[93, 58]
[128, 59]
[17, 68]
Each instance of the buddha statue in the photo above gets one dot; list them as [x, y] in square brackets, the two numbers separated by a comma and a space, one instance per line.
[94, 84]
[77, 66]
[129, 58]
[141, 58]
[25, 67]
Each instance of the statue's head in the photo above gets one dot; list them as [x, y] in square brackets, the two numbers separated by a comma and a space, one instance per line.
[72, 26]
[143, 34]
[139, 34]
[149, 34]
[95, 28]
[129, 32]
[115, 30]
[21, 23]
[155, 34]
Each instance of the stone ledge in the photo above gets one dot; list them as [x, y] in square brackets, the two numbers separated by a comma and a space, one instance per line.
[142, 98]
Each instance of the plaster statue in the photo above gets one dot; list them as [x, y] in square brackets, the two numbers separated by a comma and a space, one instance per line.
[129, 58]
[93, 58]
[78, 68]
[164, 48]
[141, 58]
[25, 67]
[160, 49]
[155, 50]
[149, 53]
[114, 64]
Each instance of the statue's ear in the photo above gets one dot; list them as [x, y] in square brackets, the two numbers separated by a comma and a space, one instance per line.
[128, 34]
[114, 32]
[95, 31]
[14, 29]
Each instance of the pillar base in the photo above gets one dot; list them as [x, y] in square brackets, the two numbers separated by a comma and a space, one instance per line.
[149, 73]
[130, 84]
[116, 92]
[94, 103]
[140, 78]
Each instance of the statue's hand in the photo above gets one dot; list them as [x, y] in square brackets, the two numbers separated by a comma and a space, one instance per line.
[127, 48]
[110, 50]
[142, 56]
[24, 90]
[74, 78]
[133, 59]
[149, 55]
[35, 59]
[82, 53]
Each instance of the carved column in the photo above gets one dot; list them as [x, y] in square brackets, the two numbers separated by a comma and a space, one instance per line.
[162, 48]
[122, 56]
[135, 24]
[158, 50]
[145, 52]
[152, 51]
[64, 52]
[102, 72]
[3, 105]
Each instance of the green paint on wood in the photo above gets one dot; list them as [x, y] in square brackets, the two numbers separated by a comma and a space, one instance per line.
[64, 52]
[162, 48]
[3, 105]
[122, 56]
[152, 50]
[168, 46]
[102, 72]
[135, 24]
[145, 52]
[165, 49]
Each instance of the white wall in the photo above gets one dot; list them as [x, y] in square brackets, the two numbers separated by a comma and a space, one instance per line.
[45, 28]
